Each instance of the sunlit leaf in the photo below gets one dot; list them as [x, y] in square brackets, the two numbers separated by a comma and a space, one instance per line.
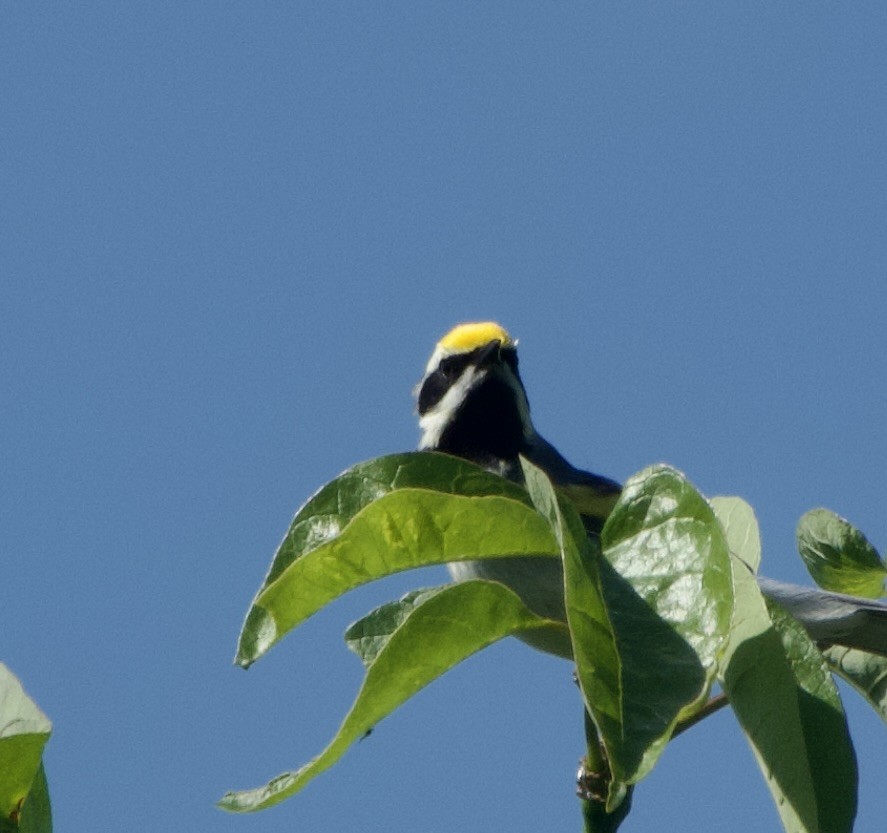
[386, 523]
[740, 526]
[37, 813]
[594, 642]
[369, 635]
[328, 511]
[826, 735]
[838, 556]
[439, 629]
[670, 599]
[790, 713]
[24, 730]
[651, 617]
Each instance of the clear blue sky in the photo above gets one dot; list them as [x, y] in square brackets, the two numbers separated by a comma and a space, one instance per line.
[230, 234]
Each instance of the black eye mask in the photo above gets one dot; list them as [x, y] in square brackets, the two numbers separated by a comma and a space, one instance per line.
[451, 368]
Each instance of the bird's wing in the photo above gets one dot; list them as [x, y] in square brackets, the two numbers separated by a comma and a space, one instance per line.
[833, 618]
[594, 496]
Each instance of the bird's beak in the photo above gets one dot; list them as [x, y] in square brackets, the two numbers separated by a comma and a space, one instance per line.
[489, 354]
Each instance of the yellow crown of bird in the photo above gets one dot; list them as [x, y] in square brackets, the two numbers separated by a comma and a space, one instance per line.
[467, 337]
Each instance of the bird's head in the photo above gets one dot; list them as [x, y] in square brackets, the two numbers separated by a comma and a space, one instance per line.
[471, 400]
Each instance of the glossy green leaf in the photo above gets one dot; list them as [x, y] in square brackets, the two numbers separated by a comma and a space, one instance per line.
[650, 619]
[328, 511]
[383, 516]
[369, 635]
[37, 813]
[838, 556]
[759, 683]
[740, 525]
[790, 714]
[593, 639]
[670, 598]
[866, 672]
[405, 529]
[439, 629]
[24, 730]
[826, 734]
[664, 539]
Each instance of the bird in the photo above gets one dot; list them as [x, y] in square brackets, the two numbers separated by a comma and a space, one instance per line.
[472, 404]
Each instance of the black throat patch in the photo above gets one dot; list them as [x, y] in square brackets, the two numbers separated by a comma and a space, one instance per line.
[487, 426]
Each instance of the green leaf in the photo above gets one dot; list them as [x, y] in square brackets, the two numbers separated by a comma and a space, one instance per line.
[649, 620]
[369, 635]
[790, 713]
[664, 539]
[24, 730]
[866, 672]
[826, 735]
[439, 629]
[594, 643]
[838, 556]
[37, 812]
[326, 513]
[404, 529]
[740, 526]
[670, 599]
[383, 516]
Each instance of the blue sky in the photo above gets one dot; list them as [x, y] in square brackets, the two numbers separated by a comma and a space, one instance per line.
[230, 235]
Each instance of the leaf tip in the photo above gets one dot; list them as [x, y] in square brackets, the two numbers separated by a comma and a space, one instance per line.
[258, 635]
[235, 802]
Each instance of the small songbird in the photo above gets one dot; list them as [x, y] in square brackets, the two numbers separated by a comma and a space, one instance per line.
[472, 404]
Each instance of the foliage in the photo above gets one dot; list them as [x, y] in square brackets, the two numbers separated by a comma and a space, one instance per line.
[659, 609]
[839, 556]
[24, 730]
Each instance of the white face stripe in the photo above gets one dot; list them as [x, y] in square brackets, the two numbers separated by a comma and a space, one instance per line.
[436, 356]
[434, 421]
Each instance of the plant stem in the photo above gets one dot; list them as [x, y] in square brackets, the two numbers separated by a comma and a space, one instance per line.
[715, 704]
[593, 786]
